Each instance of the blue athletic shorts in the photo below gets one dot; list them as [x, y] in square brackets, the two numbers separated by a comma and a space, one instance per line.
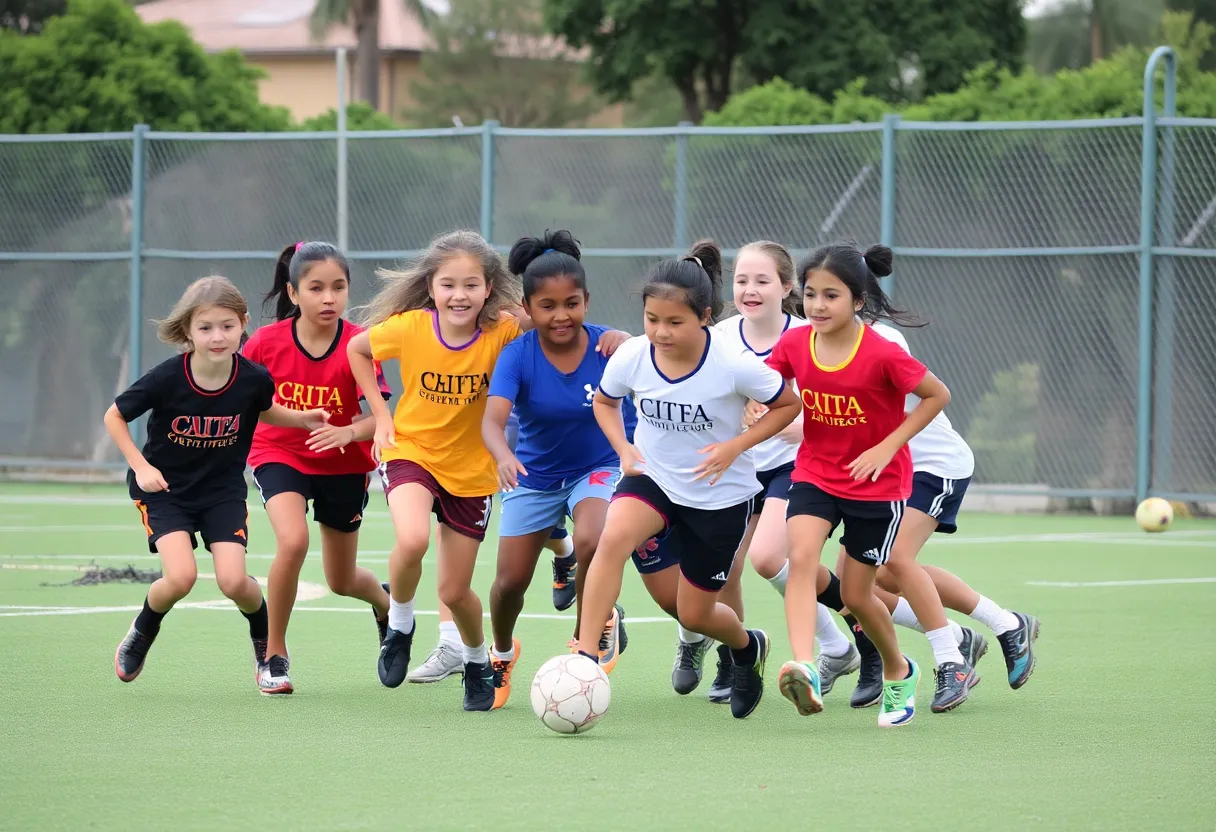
[525, 511]
[939, 498]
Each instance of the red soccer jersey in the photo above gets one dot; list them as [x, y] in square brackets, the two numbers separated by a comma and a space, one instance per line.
[302, 382]
[848, 409]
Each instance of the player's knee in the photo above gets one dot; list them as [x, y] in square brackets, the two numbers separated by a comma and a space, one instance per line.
[896, 571]
[453, 593]
[411, 546]
[767, 560]
[511, 583]
[232, 584]
[293, 546]
[694, 618]
[180, 582]
[886, 580]
[341, 582]
[854, 596]
[584, 547]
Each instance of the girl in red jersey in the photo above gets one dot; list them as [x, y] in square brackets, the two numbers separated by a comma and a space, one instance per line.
[305, 352]
[853, 465]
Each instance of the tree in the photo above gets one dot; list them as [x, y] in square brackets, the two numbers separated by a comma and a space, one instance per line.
[493, 59]
[1202, 11]
[28, 15]
[364, 18]
[1075, 33]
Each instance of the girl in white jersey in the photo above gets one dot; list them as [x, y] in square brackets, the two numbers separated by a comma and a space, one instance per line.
[768, 306]
[687, 474]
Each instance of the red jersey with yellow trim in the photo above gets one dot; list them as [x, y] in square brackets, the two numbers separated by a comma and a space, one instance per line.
[848, 409]
[302, 382]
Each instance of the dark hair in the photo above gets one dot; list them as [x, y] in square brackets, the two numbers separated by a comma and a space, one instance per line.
[695, 279]
[293, 263]
[556, 254]
[859, 272]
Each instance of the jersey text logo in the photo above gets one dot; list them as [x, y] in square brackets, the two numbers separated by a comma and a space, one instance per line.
[205, 431]
[674, 415]
[831, 409]
[452, 388]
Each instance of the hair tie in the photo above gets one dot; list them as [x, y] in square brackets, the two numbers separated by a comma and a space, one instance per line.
[299, 244]
[694, 258]
[546, 251]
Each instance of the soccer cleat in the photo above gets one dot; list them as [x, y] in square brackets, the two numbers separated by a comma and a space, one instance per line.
[953, 684]
[973, 647]
[719, 691]
[686, 674]
[869, 678]
[1018, 647]
[747, 683]
[799, 683]
[272, 677]
[382, 623]
[478, 686]
[614, 640]
[444, 661]
[563, 583]
[131, 652]
[502, 676]
[394, 658]
[831, 668]
[899, 699]
[259, 657]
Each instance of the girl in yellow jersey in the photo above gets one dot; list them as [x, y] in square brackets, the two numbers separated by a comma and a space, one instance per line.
[445, 319]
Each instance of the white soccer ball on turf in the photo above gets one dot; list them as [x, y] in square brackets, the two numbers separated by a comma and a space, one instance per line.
[1155, 514]
[570, 693]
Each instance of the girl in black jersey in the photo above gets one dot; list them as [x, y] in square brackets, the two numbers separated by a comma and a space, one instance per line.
[190, 476]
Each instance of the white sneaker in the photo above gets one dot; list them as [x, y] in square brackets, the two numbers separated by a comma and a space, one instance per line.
[444, 661]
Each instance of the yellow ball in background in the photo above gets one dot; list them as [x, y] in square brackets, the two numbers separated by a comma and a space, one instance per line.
[1155, 514]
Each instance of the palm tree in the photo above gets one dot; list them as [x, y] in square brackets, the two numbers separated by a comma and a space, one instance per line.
[364, 18]
[1075, 33]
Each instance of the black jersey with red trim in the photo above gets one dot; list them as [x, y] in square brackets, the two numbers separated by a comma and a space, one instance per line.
[198, 439]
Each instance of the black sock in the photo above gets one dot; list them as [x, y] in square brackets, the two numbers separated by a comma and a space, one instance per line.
[747, 656]
[148, 620]
[830, 597]
[259, 627]
[564, 560]
[852, 622]
[595, 659]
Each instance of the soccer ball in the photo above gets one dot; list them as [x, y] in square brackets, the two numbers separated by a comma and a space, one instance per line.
[570, 693]
[1155, 514]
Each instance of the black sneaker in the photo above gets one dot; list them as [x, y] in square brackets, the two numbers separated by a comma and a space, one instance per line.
[478, 686]
[954, 683]
[563, 583]
[973, 647]
[394, 659]
[686, 674]
[382, 623]
[869, 678]
[129, 658]
[719, 691]
[747, 683]
[1018, 647]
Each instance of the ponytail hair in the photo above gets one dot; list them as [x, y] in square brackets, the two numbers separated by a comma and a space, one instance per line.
[555, 254]
[294, 262]
[694, 279]
[860, 273]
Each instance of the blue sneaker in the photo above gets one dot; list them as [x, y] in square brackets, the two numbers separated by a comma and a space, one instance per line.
[1018, 647]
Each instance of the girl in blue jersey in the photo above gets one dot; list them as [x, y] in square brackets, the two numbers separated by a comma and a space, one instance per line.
[562, 464]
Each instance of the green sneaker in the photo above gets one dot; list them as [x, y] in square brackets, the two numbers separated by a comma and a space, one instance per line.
[899, 699]
[799, 683]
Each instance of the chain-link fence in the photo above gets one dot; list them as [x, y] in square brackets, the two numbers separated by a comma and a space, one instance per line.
[1019, 243]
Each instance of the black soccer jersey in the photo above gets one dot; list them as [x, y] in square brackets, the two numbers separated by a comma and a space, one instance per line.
[198, 439]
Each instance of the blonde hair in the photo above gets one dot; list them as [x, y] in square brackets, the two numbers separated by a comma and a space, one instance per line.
[791, 304]
[410, 288]
[206, 291]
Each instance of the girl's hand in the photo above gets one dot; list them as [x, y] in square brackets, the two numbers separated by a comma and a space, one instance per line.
[752, 413]
[509, 470]
[329, 437]
[314, 419]
[385, 437]
[150, 479]
[632, 464]
[610, 341]
[872, 462]
[718, 457]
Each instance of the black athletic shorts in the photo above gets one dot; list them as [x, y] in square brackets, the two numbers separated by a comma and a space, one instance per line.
[775, 483]
[338, 500]
[226, 522]
[869, 527]
[707, 539]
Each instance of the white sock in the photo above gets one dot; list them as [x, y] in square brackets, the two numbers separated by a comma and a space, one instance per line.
[504, 657]
[448, 634]
[945, 648]
[476, 655]
[689, 637]
[904, 617]
[401, 615]
[956, 630]
[563, 548]
[780, 579]
[832, 641]
[994, 617]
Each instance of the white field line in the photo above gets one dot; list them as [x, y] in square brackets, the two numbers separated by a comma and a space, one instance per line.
[1146, 582]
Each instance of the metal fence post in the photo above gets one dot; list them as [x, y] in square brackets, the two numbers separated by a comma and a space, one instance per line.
[487, 180]
[1148, 216]
[343, 205]
[680, 232]
[1162, 445]
[890, 126]
[135, 286]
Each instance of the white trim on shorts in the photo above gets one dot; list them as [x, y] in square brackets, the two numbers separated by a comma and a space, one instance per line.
[888, 542]
[938, 502]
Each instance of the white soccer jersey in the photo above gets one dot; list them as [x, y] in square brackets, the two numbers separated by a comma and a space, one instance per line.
[679, 417]
[938, 449]
[775, 452]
